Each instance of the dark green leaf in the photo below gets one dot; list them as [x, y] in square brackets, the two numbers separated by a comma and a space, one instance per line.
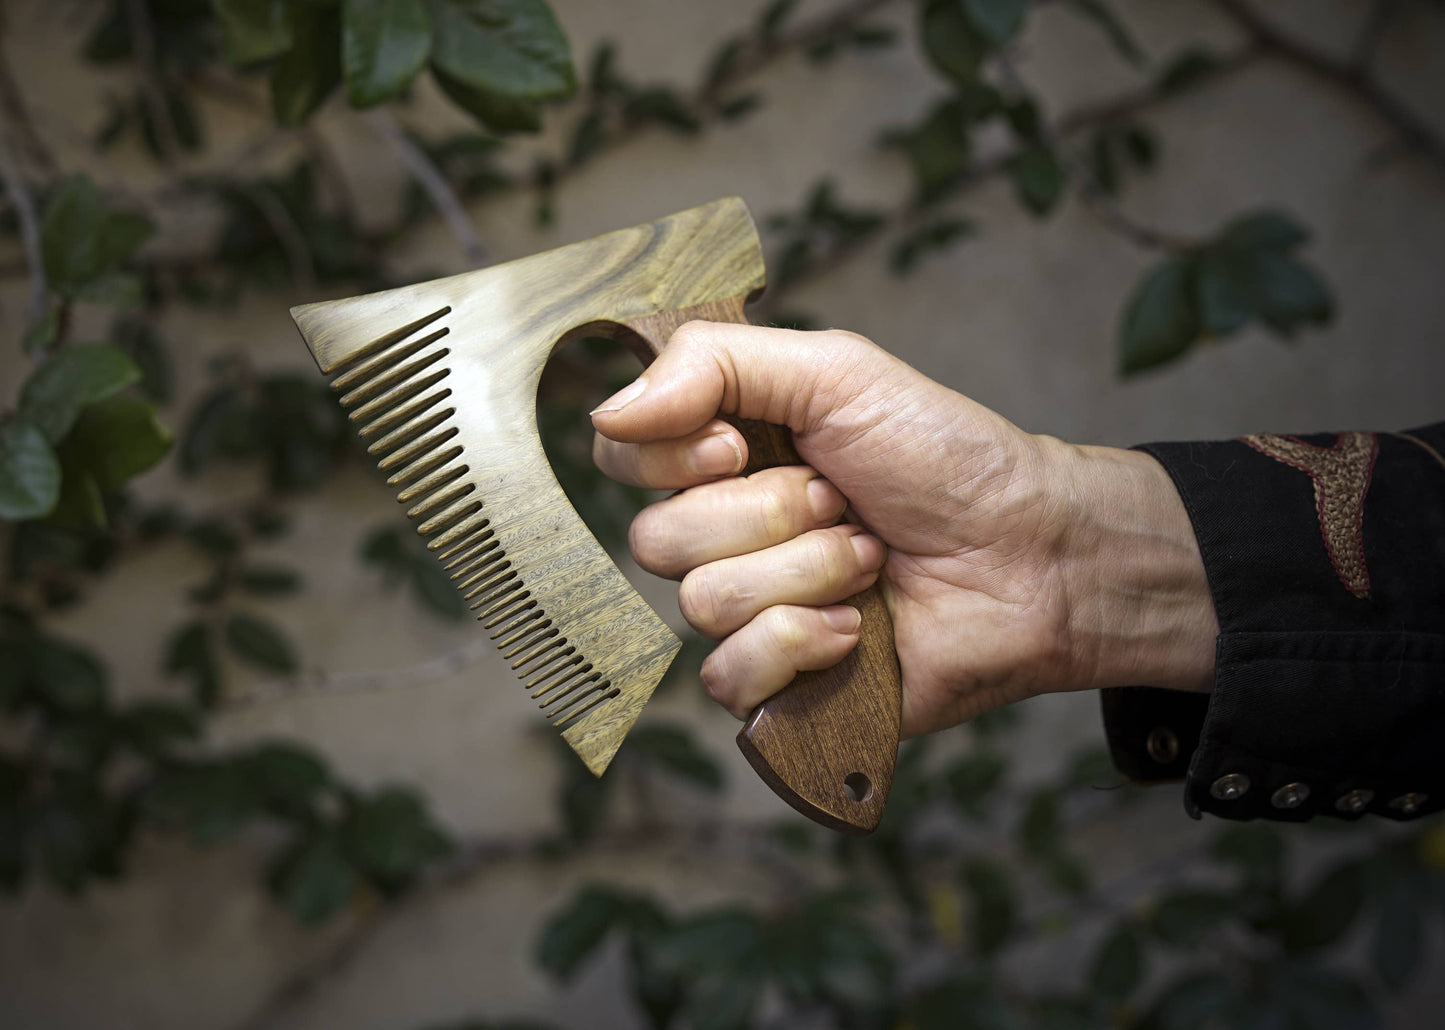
[29, 472]
[308, 72]
[116, 439]
[973, 780]
[1185, 917]
[1161, 320]
[1287, 294]
[1118, 966]
[384, 43]
[41, 335]
[994, 905]
[284, 775]
[1327, 911]
[1257, 850]
[253, 30]
[313, 878]
[1102, 15]
[674, 749]
[951, 41]
[260, 643]
[499, 113]
[71, 231]
[389, 836]
[269, 580]
[1039, 831]
[1190, 66]
[1222, 293]
[998, 20]
[211, 799]
[116, 289]
[1142, 146]
[773, 17]
[738, 107]
[586, 138]
[1193, 1002]
[1264, 230]
[573, 934]
[509, 49]
[68, 678]
[1397, 949]
[938, 149]
[1038, 179]
[1315, 998]
[151, 728]
[56, 392]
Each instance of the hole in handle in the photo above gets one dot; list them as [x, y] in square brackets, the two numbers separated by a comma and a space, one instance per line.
[859, 787]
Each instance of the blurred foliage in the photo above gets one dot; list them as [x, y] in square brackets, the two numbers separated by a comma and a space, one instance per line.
[921, 925]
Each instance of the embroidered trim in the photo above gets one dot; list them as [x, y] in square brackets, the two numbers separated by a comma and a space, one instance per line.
[1341, 476]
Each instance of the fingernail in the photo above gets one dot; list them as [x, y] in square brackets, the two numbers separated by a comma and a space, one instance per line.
[870, 551]
[716, 455]
[622, 397]
[843, 619]
[826, 500]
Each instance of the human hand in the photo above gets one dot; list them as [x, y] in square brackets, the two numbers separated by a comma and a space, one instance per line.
[1012, 564]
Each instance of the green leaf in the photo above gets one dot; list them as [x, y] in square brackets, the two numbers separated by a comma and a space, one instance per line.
[260, 643]
[211, 799]
[285, 775]
[1118, 966]
[1038, 179]
[499, 113]
[1186, 916]
[1103, 16]
[951, 41]
[674, 749]
[573, 934]
[1258, 851]
[1190, 66]
[1222, 292]
[152, 727]
[1193, 1002]
[268, 580]
[1398, 945]
[1161, 320]
[994, 905]
[973, 780]
[1288, 294]
[313, 878]
[938, 149]
[1318, 998]
[774, 15]
[56, 392]
[998, 20]
[42, 334]
[1264, 230]
[71, 232]
[68, 678]
[1326, 912]
[308, 72]
[390, 837]
[253, 30]
[114, 289]
[29, 472]
[510, 49]
[384, 43]
[116, 439]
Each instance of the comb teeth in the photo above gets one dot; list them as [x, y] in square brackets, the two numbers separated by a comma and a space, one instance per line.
[393, 390]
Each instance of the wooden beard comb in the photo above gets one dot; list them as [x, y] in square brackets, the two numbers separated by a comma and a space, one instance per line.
[440, 380]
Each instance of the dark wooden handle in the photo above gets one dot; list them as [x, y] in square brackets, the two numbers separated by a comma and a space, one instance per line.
[827, 743]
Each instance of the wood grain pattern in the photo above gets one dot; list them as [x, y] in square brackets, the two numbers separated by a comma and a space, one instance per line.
[440, 380]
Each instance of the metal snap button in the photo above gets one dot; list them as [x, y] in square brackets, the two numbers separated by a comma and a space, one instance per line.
[1291, 795]
[1162, 745]
[1409, 804]
[1230, 786]
[1355, 801]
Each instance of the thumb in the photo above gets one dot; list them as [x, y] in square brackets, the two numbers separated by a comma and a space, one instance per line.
[782, 376]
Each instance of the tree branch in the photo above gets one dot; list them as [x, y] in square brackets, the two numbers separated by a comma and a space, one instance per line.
[29, 223]
[433, 182]
[1352, 77]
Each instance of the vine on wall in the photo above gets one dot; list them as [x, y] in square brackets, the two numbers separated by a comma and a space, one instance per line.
[969, 868]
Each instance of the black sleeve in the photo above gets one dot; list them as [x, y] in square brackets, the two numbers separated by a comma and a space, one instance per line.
[1326, 562]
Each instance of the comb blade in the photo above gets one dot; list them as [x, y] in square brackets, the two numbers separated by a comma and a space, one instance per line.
[590, 667]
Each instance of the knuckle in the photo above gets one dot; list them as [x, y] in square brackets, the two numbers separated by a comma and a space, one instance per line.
[690, 334]
[705, 603]
[714, 680]
[773, 511]
[786, 629]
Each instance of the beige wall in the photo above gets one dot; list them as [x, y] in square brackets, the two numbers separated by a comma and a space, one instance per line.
[1021, 317]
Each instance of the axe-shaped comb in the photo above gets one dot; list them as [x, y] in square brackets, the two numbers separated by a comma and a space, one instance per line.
[440, 380]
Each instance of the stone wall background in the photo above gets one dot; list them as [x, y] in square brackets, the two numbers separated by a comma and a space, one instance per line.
[1022, 318]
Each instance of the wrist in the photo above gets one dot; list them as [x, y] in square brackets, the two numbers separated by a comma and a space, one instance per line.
[1139, 611]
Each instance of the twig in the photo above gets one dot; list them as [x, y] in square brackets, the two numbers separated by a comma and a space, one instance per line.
[18, 114]
[143, 40]
[29, 222]
[284, 227]
[433, 182]
[1355, 79]
[429, 671]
